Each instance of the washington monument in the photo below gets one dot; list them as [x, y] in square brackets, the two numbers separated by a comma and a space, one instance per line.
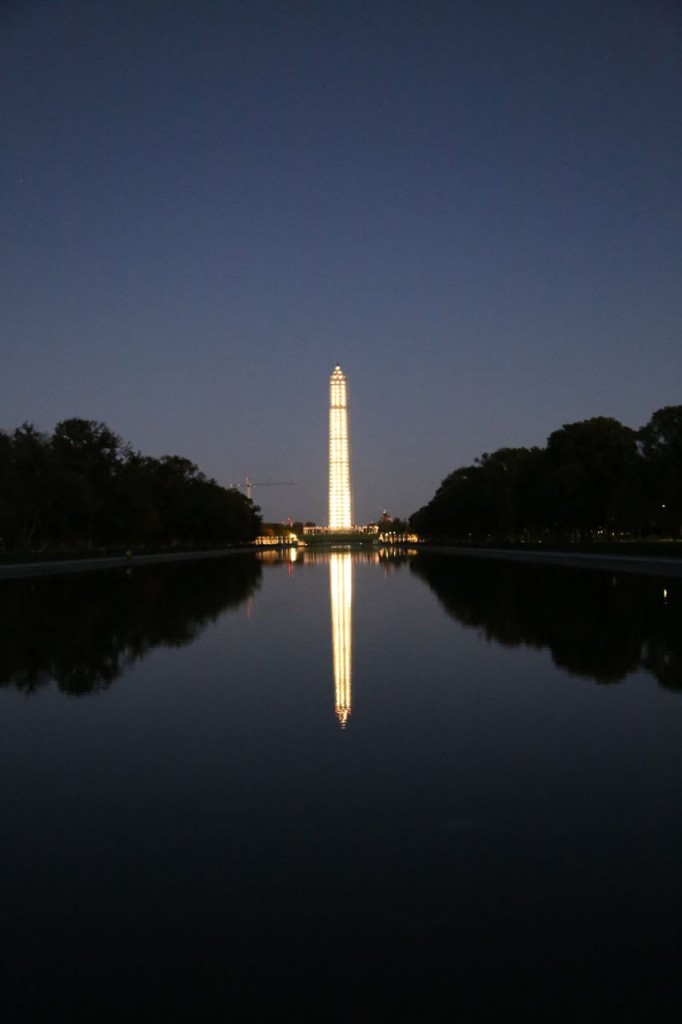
[340, 503]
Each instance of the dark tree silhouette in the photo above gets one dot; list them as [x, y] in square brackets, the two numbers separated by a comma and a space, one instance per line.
[661, 445]
[84, 488]
[594, 480]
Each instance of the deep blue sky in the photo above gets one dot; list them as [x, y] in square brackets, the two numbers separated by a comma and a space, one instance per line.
[474, 206]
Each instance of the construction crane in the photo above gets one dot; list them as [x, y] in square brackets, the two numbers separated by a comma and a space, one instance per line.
[267, 483]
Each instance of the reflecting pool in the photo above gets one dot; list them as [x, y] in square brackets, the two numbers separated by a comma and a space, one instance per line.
[418, 786]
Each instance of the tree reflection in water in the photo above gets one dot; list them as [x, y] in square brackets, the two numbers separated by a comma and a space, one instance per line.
[594, 623]
[83, 630]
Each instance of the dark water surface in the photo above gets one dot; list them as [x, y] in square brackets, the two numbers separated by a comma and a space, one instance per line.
[416, 789]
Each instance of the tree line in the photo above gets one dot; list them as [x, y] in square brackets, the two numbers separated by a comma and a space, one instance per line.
[83, 488]
[595, 479]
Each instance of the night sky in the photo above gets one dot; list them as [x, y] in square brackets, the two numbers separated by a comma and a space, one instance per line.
[474, 206]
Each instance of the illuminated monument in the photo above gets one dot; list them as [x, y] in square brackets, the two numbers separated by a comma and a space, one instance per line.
[340, 505]
[341, 530]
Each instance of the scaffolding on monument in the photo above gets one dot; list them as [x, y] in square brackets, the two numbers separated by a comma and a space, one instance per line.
[340, 495]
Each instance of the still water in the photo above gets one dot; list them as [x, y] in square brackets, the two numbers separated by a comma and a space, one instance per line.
[418, 787]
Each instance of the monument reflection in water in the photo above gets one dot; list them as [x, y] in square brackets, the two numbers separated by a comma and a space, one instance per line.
[341, 593]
